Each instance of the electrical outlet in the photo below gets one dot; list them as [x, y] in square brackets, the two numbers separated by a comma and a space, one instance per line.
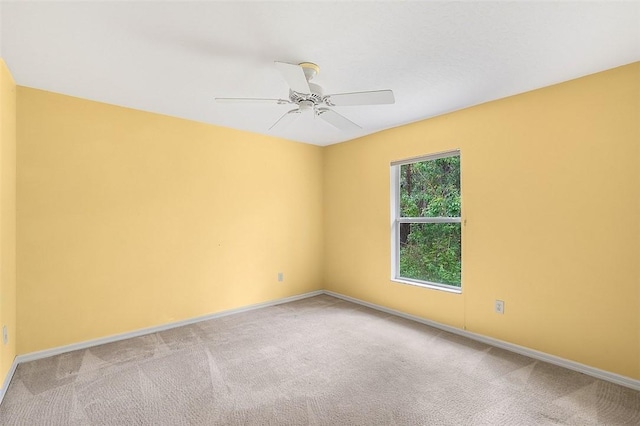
[499, 307]
[5, 335]
[280, 277]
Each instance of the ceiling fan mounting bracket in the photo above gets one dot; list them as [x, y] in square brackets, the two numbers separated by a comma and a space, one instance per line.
[310, 69]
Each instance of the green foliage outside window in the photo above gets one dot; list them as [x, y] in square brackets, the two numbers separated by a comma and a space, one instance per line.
[431, 251]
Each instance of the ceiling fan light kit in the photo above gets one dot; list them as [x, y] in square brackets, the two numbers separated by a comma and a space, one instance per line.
[310, 97]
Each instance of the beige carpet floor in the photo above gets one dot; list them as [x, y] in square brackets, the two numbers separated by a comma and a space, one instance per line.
[317, 361]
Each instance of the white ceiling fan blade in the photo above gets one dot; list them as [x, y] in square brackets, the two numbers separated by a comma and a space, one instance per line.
[337, 120]
[253, 100]
[374, 97]
[294, 76]
[288, 118]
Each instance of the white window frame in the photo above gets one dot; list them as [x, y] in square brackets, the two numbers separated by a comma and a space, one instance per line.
[396, 220]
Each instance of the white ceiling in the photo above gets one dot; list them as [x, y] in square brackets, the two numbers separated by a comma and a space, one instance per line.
[174, 57]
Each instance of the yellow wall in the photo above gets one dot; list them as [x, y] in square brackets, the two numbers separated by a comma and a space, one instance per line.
[551, 195]
[128, 219]
[7, 218]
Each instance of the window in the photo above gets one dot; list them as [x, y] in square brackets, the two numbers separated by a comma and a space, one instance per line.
[426, 231]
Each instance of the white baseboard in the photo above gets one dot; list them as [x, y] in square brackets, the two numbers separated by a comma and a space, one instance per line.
[7, 379]
[149, 330]
[531, 353]
[551, 359]
[140, 332]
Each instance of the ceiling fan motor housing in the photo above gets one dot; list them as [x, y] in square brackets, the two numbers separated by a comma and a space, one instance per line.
[316, 96]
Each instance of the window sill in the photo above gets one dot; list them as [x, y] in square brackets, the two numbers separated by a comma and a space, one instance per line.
[429, 286]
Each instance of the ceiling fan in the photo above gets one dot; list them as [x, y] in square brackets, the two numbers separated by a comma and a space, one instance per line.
[308, 96]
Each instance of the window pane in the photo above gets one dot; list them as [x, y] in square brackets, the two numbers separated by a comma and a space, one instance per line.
[430, 188]
[431, 252]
